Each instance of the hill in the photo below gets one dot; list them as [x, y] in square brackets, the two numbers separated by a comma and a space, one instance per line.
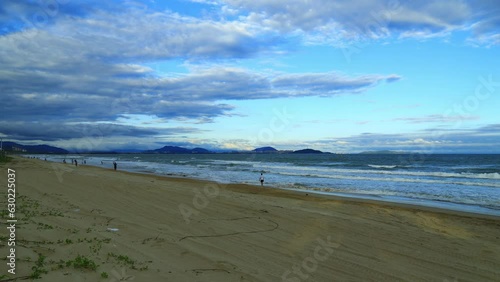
[265, 150]
[307, 151]
[32, 149]
[178, 150]
[200, 151]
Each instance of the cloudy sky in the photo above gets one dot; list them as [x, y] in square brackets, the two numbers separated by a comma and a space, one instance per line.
[340, 76]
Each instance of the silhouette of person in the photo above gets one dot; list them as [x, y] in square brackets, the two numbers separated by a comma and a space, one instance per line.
[261, 179]
[114, 165]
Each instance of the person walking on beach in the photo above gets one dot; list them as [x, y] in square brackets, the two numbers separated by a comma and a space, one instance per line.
[76, 163]
[114, 165]
[261, 179]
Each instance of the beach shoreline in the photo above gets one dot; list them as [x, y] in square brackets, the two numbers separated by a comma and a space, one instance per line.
[470, 187]
[346, 196]
[157, 227]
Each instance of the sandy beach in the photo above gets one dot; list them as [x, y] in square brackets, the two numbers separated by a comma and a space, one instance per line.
[92, 224]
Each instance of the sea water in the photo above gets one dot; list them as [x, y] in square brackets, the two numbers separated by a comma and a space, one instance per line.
[463, 182]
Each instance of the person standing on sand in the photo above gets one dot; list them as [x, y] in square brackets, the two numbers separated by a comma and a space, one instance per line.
[114, 165]
[261, 179]
[76, 163]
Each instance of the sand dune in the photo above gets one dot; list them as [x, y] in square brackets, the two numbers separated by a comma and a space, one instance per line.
[91, 224]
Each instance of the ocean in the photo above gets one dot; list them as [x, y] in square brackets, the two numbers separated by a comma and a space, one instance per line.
[459, 182]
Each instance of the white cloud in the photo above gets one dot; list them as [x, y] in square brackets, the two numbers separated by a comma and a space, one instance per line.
[85, 69]
[334, 22]
[483, 139]
[52, 131]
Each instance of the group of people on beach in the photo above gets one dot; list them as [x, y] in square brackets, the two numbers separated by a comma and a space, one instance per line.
[75, 161]
[115, 165]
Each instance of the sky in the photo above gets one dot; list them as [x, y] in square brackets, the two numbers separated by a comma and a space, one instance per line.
[340, 76]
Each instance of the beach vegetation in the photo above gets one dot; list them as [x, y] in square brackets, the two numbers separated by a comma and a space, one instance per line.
[52, 212]
[124, 260]
[127, 261]
[4, 158]
[4, 214]
[44, 226]
[82, 262]
[96, 247]
[74, 230]
[27, 207]
[60, 264]
[38, 268]
[33, 211]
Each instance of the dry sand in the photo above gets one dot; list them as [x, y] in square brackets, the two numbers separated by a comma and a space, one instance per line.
[147, 228]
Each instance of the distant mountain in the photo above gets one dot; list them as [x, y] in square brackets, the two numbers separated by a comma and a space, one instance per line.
[307, 151]
[178, 150]
[46, 149]
[265, 150]
[200, 151]
[33, 149]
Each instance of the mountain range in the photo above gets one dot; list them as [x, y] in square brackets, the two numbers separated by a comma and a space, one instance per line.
[32, 149]
[261, 150]
[46, 149]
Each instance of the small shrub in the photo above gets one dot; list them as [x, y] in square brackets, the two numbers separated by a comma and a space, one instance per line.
[81, 262]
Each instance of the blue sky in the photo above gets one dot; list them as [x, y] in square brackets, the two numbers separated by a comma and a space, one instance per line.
[339, 76]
